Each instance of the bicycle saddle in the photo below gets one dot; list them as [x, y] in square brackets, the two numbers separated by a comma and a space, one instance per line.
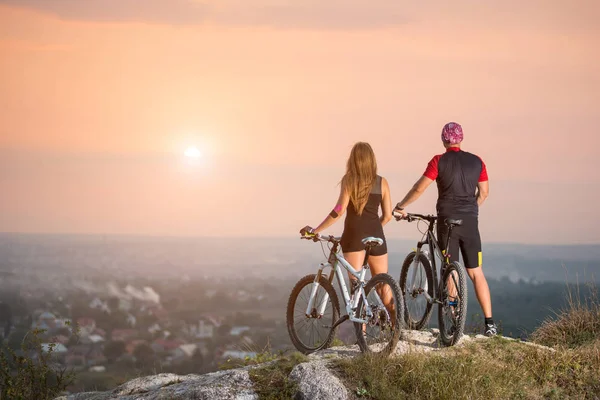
[372, 241]
[453, 222]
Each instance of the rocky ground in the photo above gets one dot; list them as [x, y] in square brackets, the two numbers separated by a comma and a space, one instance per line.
[314, 379]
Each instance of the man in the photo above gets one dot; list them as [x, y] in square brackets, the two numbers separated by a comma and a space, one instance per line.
[462, 187]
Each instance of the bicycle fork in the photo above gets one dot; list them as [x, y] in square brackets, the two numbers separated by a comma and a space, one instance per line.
[313, 294]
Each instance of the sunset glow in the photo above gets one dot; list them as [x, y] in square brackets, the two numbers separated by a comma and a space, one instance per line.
[103, 102]
[192, 152]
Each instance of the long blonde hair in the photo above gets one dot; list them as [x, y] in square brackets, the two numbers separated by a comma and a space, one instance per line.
[361, 172]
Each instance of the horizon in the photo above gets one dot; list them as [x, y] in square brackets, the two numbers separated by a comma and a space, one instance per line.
[259, 237]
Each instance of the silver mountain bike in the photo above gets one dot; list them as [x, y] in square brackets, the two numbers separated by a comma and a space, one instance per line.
[376, 307]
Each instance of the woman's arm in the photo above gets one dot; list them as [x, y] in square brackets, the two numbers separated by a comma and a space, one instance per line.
[386, 202]
[337, 212]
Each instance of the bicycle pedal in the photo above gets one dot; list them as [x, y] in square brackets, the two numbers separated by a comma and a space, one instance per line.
[339, 321]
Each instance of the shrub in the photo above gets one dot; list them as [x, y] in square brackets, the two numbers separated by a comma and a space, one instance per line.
[32, 372]
[578, 324]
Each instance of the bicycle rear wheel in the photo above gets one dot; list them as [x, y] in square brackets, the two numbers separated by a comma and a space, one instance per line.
[453, 307]
[416, 278]
[386, 306]
[312, 332]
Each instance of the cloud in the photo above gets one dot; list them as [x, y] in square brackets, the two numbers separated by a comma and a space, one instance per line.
[153, 11]
[313, 14]
[293, 14]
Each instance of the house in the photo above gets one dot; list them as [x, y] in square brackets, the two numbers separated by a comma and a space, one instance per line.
[96, 357]
[62, 339]
[62, 323]
[238, 330]
[154, 329]
[166, 345]
[98, 368]
[45, 321]
[205, 330]
[125, 304]
[183, 352]
[58, 351]
[130, 346]
[228, 354]
[242, 295]
[57, 348]
[86, 326]
[47, 317]
[157, 311]
[98, 304]
[94, 339]
[77, 356]
[99, 332]
[131, 320]
[124, 335]
[215, 321]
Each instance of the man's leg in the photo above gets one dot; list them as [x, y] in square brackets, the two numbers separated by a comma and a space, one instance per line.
[470, 244]
[482, 290]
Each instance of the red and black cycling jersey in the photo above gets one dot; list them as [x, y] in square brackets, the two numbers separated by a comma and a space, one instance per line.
[457, 174]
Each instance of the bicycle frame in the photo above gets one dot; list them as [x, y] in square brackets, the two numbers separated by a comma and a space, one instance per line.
[435, 250]
[334, 262]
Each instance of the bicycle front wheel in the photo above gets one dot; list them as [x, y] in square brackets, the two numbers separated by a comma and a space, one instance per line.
[453, 304]
[416, 279]
[312, 331]
[384, 311]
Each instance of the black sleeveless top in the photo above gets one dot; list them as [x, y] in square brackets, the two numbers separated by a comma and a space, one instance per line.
[357, 227]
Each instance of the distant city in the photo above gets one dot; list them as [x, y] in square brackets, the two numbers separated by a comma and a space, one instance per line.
[147, 304]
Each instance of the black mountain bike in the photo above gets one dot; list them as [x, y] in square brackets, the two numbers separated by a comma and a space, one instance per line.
[420, 287]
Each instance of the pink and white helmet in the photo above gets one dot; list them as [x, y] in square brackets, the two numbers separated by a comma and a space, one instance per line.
[452, 133]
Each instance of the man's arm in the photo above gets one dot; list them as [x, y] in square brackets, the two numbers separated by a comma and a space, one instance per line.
[413, 194]
[483, 189]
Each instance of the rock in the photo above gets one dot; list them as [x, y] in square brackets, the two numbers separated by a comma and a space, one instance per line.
[151, 383]
[223, 385]
[86, 396]
[316, 382]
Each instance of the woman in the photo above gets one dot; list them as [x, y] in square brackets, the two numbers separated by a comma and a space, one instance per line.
[362, 192]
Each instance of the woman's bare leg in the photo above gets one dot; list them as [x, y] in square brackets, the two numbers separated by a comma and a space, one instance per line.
[356, 259]
[379, 265]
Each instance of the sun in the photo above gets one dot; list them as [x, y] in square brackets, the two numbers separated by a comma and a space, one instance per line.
[192, 152]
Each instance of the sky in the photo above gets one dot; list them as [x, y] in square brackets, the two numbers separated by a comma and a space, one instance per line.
[99, 99]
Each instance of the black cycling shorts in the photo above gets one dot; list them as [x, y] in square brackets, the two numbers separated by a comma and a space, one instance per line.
[465, 237]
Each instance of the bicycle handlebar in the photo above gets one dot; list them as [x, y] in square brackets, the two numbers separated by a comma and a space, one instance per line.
[317, 237]
[414, 217]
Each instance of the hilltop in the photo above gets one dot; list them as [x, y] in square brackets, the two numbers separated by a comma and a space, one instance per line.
[497, 367]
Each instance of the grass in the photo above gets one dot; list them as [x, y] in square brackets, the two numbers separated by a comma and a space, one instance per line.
[271, 381]
[575, 326]
[496, 368]
[270, 376]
